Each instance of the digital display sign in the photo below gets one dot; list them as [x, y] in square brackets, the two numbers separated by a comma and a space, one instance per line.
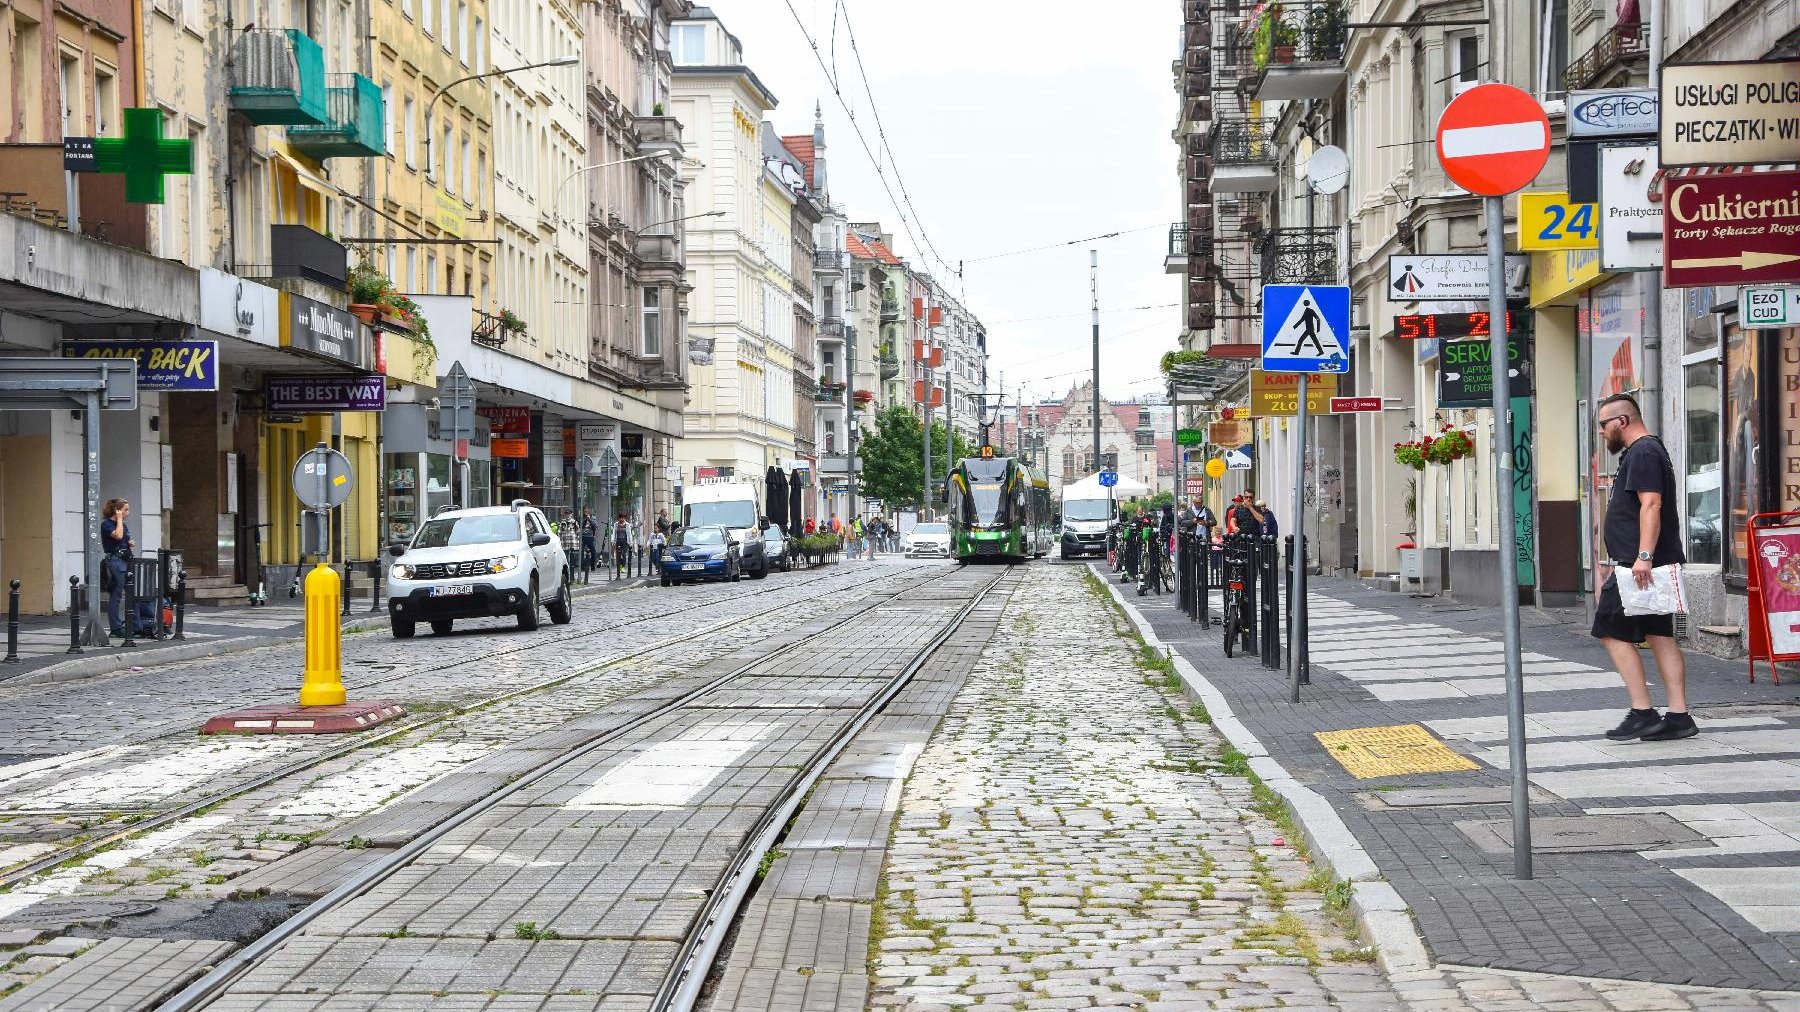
[1455, 326]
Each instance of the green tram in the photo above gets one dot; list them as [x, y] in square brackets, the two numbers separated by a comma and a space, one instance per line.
[999, 509]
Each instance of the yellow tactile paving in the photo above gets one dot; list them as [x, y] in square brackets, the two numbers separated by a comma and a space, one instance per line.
[1391, 751]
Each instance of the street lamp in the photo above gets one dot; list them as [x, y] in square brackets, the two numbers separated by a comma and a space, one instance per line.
[690, 217]
[556, 199]
[561, 61]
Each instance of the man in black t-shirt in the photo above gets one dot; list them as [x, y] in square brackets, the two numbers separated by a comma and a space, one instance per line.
[1642, 531]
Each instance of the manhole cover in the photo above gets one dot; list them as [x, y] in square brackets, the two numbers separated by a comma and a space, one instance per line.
[1575, 834]
[68, 913]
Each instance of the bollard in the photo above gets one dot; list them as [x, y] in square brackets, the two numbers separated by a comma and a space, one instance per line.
[375, 587]
[349, 571]
[75, 612]
[180, 604]
[12, 625]
[130, 639]
[322, 681]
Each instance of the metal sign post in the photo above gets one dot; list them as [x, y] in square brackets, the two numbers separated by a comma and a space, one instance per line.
[1493, 140]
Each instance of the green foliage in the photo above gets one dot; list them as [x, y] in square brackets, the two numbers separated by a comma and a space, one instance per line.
[1173, 360]
[367, 284]
[892, 455]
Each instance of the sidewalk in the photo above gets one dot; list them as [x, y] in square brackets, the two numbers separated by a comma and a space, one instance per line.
[1676, 862]
[44, 639]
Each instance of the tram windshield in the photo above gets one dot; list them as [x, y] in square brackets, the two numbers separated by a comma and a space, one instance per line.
[985, 496]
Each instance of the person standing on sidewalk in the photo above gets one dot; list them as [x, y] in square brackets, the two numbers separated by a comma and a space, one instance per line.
[1642, 531]
[116, 542]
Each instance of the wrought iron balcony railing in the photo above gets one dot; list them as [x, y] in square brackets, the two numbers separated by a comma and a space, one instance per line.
[1178, 240]
[1297, 256]
[828, 260]
[831, 328]
[1619, 44]
[1295, 32]
[1242, 141]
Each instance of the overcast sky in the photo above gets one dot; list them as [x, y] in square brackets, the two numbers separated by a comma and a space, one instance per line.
[1013, 126]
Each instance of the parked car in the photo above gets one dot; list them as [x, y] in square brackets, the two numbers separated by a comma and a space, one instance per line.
[479, 563]
[927, 541]
[732, 505]
[707, 552]
[775, 549]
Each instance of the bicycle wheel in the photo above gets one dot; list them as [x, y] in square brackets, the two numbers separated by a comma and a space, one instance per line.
[1230, 630]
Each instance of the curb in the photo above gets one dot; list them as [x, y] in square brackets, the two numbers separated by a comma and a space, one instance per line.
[1380, 912]
[120, 660]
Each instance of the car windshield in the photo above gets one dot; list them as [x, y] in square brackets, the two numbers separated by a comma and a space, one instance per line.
[444, 532]
[734, 514]
[773, 534]
[930, 529]
[701, 536]
[1087, 509]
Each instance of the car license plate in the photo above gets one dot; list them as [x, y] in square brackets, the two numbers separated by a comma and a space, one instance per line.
[455, 591]
[691, 567]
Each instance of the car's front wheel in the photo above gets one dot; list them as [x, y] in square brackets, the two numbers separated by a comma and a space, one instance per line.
[403, 628]
[441, 626]
[528, 613]
[562, 609]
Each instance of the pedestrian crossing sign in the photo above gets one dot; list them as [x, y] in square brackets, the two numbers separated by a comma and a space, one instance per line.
[1306, 328]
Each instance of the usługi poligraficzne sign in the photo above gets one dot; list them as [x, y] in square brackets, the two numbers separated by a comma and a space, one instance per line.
[300, 394]
[190, 366]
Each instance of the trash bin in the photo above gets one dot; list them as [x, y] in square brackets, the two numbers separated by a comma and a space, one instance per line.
[1409, 561]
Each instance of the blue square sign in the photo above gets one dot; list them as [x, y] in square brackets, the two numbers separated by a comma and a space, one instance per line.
[1306, 328]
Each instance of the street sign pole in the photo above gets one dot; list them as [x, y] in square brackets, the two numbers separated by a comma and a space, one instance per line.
[1297, 606]
[1509, 573]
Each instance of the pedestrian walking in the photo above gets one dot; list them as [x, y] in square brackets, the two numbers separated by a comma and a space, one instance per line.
[118, 546]
[590, 533]
[658, 541]
[1642, 530]
[621, 538]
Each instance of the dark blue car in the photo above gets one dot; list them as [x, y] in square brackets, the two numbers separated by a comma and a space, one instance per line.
[701, 553]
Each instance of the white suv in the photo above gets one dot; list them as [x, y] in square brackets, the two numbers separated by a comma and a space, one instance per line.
[477, 563]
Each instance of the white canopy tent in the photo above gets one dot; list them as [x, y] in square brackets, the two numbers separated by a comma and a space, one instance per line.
[1125, 489]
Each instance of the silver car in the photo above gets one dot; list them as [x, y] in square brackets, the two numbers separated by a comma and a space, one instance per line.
[927, 541]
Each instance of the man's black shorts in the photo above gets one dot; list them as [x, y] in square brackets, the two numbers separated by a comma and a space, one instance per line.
[1611, 622]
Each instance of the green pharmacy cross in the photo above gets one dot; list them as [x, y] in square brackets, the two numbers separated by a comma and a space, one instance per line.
[144, 156]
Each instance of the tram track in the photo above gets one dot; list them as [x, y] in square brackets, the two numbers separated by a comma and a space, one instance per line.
[703, 942]
[413, 723]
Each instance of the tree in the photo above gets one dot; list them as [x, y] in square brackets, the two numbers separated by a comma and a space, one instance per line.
[893, 468]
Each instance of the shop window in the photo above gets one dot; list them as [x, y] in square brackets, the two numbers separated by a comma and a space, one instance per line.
[1704, 486]
[1742, 419]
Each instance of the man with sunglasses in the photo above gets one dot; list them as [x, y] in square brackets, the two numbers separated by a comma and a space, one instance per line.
[1642, 530]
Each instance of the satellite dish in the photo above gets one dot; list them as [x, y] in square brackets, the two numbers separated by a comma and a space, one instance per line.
[1328, 169]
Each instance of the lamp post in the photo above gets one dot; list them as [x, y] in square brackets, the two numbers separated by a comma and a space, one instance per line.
[430, 162]
[556, 199]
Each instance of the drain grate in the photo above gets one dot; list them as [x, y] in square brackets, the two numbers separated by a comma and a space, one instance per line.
[1577, 834]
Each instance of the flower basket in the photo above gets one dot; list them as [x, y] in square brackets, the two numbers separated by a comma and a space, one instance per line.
[1410, 455]
[864, 396]
[1451, 444]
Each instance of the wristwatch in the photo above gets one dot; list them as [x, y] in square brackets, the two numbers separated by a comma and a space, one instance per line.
[1643, 556]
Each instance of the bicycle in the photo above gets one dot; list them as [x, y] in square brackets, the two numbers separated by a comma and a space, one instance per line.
[1237, 606]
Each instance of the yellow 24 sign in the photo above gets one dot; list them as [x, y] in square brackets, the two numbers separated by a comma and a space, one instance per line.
[1547, 221]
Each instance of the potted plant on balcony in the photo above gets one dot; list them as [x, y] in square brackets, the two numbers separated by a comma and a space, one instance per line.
[1285, 36]
[368, 287]
[1325, 31]
[864, 397]
[511, 323]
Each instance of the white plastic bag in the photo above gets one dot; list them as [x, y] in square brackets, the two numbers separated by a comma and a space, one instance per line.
[1665, 596]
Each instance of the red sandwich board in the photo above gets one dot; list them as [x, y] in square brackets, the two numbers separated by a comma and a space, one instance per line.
[1340, 405]
[1738, 228]
[1493, 139]
[1773, 571]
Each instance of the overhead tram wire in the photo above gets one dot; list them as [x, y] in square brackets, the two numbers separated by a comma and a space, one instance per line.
[1059, 245]
[906, 220]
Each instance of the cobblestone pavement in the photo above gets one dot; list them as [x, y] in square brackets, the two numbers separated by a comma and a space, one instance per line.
[1076, 838]
[213, 876]
[1613, 900]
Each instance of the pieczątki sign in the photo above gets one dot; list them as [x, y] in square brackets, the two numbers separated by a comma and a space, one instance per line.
[1737, 229]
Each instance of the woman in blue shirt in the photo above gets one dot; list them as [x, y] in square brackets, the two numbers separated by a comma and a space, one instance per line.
[116, 542]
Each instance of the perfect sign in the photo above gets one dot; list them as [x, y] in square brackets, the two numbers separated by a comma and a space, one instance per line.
[1730, 113]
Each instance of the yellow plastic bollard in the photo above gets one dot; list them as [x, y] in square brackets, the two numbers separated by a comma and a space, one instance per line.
[322, 683]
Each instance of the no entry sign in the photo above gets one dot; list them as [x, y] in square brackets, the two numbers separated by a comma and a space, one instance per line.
[1493, 139]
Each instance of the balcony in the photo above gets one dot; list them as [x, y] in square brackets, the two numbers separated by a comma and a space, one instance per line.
[890, 309]
[298, 252]
[353, 125]
[1299, 256]
[828, 261]
[1296, 50]
[1243, 154]
[659, 133]
[831, 328]
[660, 250]
[1621, 46]
[278, 78]
[890, 362]
[1175, 261]
[829, 393]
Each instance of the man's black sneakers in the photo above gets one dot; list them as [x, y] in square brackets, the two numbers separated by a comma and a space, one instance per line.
[1674, 726]
[1637, 724]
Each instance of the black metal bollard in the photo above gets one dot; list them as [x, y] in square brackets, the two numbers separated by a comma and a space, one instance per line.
[130, 639]
[349, 570]
[375, 587]
[12, 625]
[180, 604]
[76, 608]
[1272, 598]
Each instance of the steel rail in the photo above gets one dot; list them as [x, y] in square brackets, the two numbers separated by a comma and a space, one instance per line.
[24, 872]
[201, 991]
[680, 990]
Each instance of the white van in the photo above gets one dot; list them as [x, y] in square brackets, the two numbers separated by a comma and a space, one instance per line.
[1084, 521]
[732, 505]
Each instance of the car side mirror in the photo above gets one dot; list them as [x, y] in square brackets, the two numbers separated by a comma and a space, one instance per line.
[733, 543]
[539, 540]
[397, 549]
